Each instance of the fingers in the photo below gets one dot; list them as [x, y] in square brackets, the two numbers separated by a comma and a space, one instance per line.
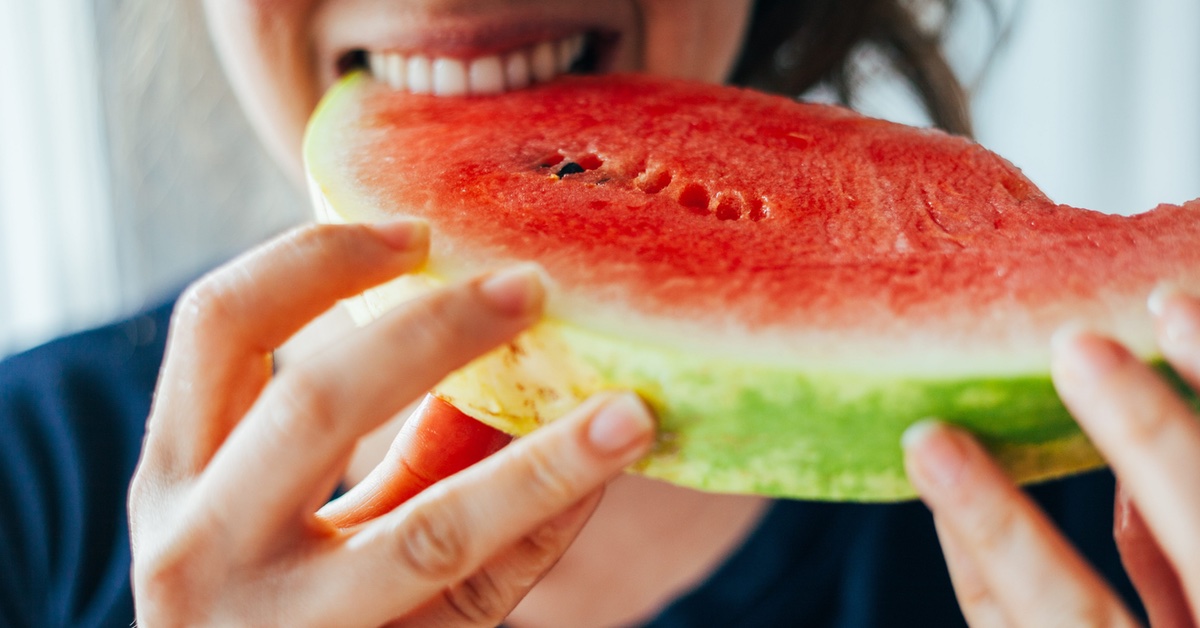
[308, 419]
[489, 595]
[1028, 569]
[1146, 432]
[974, 599]
[436, 442]
[1147, 567]
[446, 533]
[1177, 322]
[226, 325]
[1000, 547]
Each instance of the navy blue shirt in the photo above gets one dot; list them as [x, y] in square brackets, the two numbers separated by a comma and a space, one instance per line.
[72, 415]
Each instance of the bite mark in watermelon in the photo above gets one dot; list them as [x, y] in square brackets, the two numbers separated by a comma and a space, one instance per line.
[788, 285]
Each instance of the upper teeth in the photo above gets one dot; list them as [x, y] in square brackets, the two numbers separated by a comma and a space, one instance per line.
[492, 74]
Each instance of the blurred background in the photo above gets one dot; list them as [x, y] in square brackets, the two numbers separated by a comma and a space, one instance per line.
[126, 168]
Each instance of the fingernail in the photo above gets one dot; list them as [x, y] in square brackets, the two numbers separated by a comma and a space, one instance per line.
[1080, 353]
[1120, 510]
[934, 454]
[1178, 318]
[514, 291]
[403, 234]
[1066, 336]
[1159, 297]
[621, 422]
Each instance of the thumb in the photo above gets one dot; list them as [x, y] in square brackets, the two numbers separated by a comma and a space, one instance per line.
[1152, 575]
[436, 442]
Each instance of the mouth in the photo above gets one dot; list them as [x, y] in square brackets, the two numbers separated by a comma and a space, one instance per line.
[493, 72]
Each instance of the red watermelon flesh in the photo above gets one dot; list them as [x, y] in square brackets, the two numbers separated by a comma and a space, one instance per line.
[740, 227]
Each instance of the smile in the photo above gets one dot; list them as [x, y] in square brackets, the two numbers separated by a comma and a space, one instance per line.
[487, 74]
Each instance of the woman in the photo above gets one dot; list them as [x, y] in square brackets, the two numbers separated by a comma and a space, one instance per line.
[237, 459]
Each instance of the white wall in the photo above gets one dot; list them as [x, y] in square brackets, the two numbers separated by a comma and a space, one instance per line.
[58, 266]
[1099, 101]
[191, 185]
[126, 167]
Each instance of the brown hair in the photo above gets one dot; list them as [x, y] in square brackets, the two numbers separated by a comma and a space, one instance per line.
[793, 45]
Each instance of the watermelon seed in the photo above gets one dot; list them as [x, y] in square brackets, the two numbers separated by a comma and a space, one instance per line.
[570, 168]
[694, 197]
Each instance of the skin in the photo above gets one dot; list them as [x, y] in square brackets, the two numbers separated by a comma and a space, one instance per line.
[1009, 565]
[470, 547]
[208, 550]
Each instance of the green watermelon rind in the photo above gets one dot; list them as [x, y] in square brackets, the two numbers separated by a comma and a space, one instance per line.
[749, 428]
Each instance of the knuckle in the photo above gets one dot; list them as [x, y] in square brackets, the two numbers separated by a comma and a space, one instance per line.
[206, 306]
[433, 544]
[305, 406]
[992, 528]
[190, 564]
[434, 323]
[159, 580]
[545, 544]
[480, 599]
[315, 235]
[538, 551]
[326, 242]
[546, 478]
[973, 595]
[447, 324]
[1152, 422]
[435, 328]
[167, 583]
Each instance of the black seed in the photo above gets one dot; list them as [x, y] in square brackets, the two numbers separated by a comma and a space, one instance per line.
[570, 168]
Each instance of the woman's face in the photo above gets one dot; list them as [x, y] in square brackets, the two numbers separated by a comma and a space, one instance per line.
[281, 55]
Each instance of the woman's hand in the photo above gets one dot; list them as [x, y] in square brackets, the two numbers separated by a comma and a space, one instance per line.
[1010, 566]
[237, 462]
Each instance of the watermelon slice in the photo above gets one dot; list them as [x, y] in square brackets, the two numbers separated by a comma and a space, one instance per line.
[789, 285]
